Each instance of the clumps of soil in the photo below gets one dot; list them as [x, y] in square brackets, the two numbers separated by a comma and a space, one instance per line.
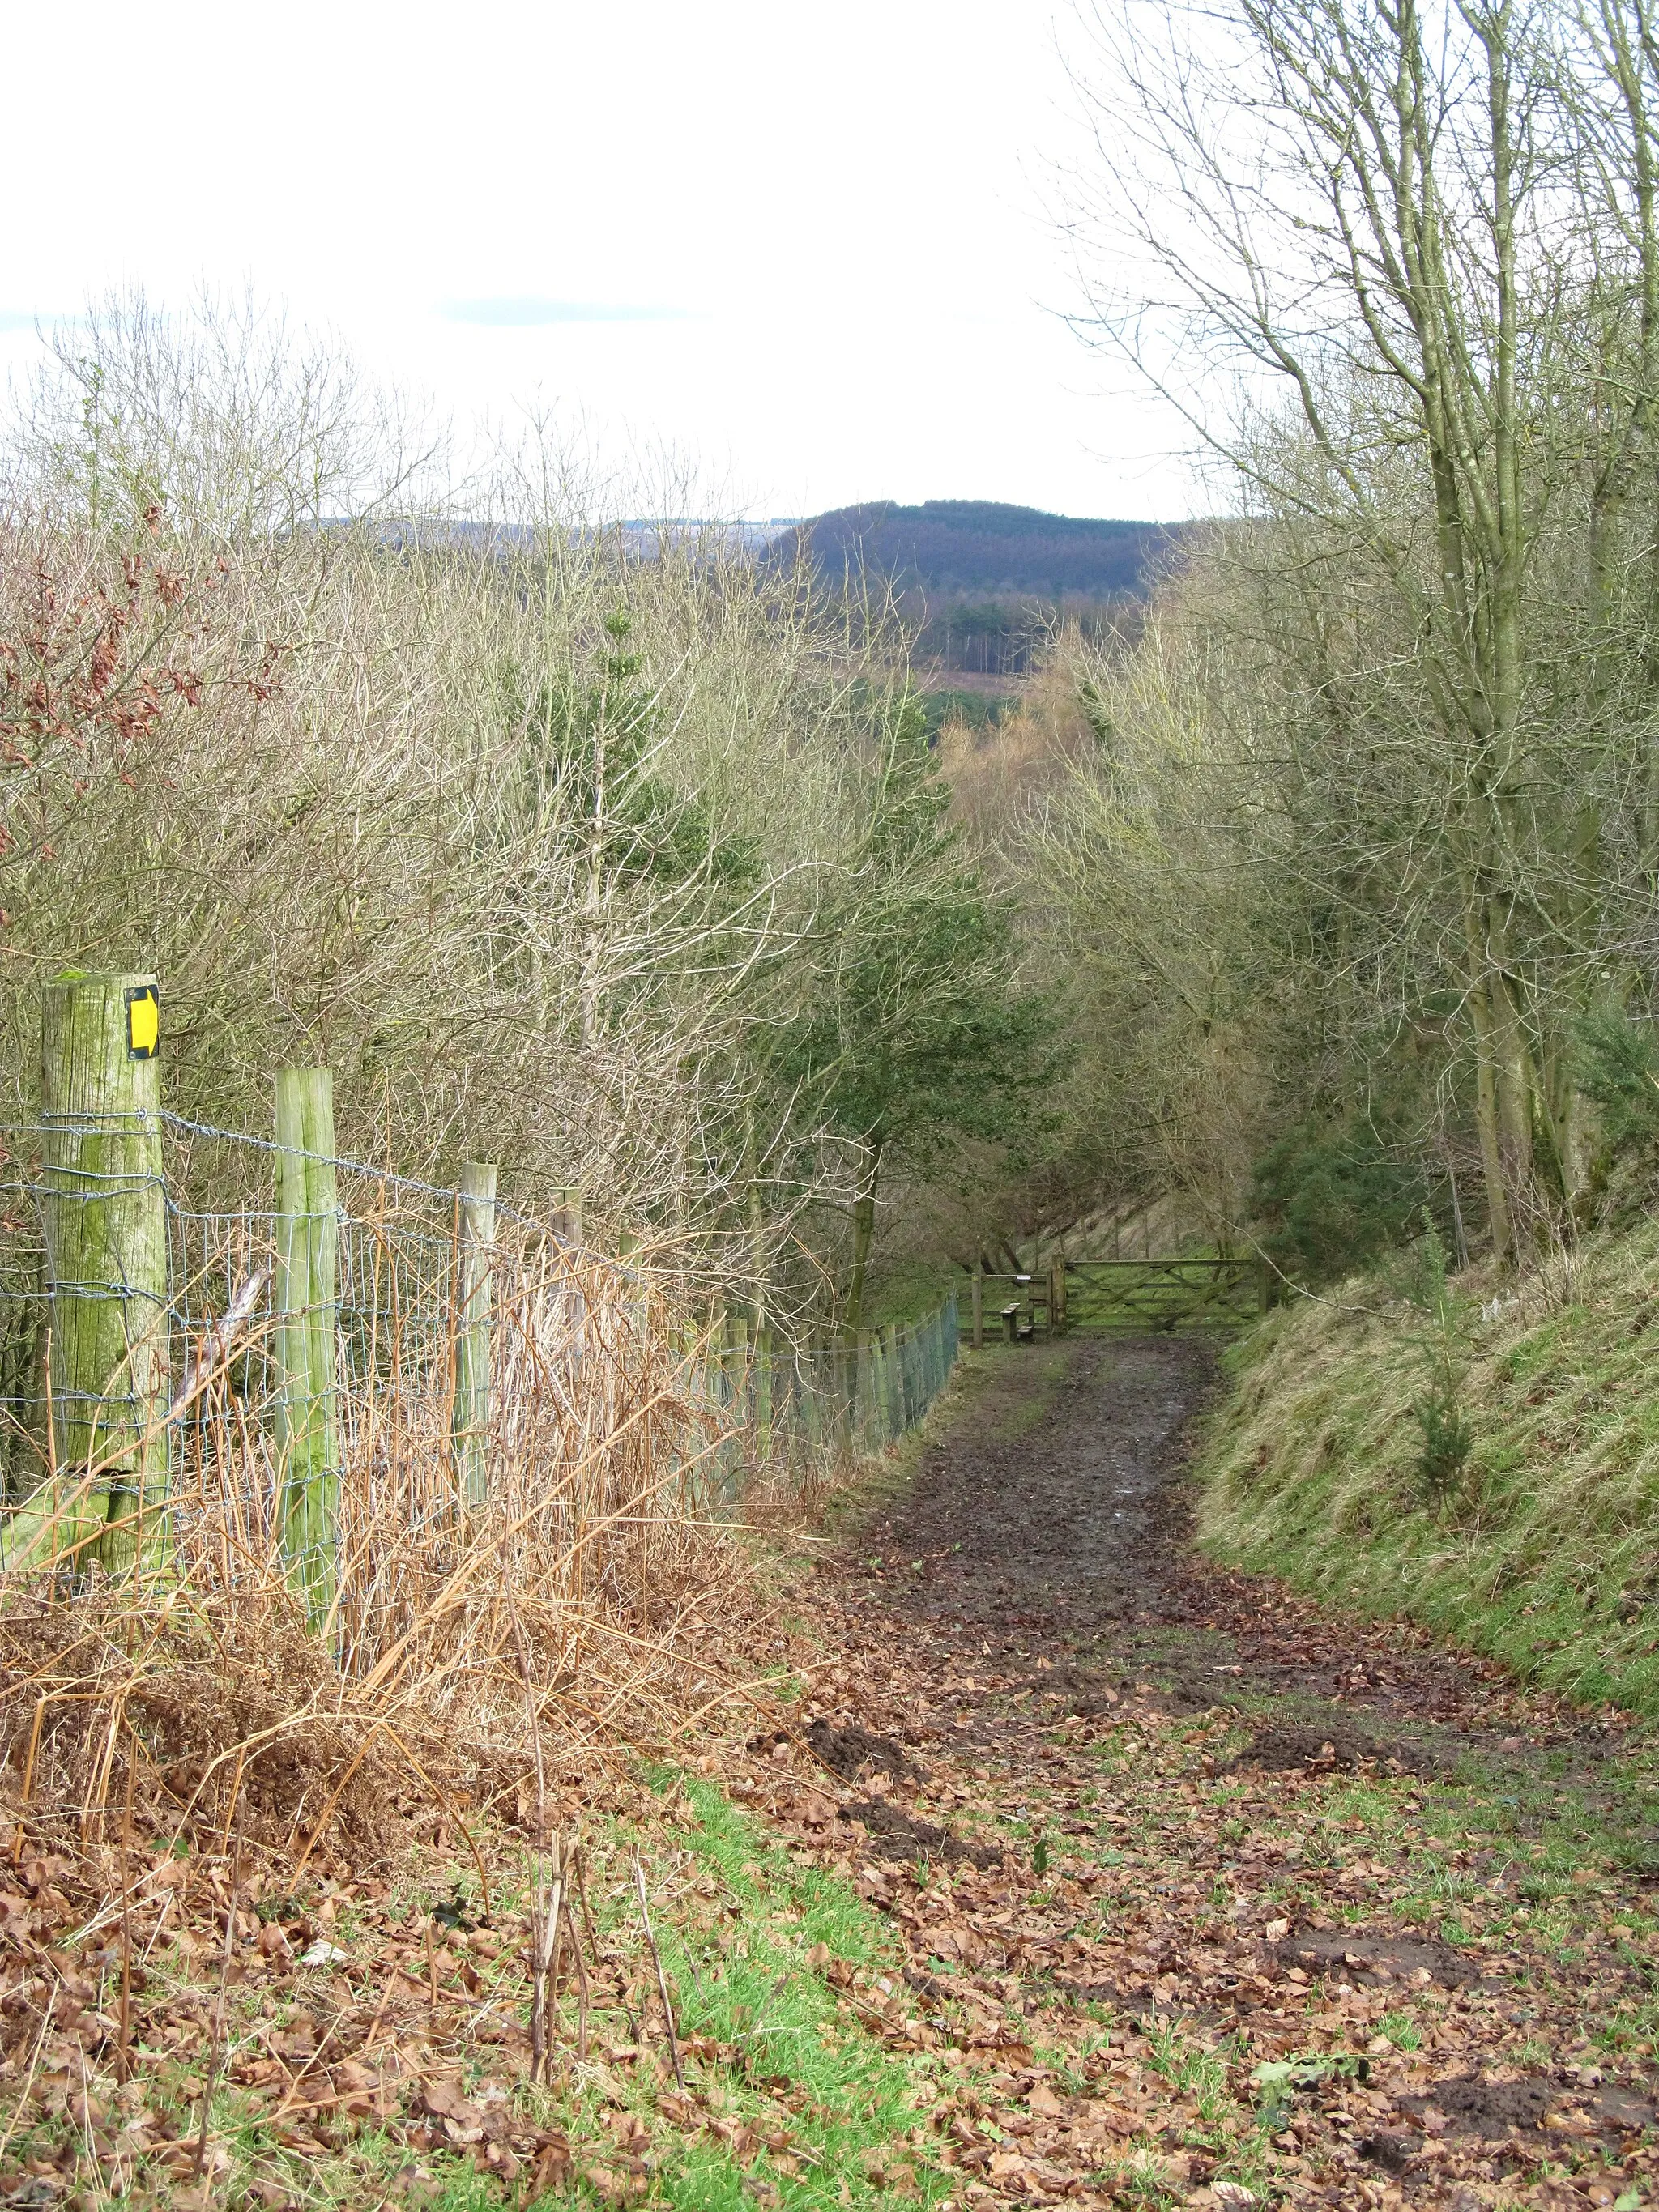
[1071, 1689]
[850, 1752]
[894, 1834]
[1337, 1748]
[926, 1984]
[1391, 2151]
[1182, 1686]
[1623, 2110]
[1489, 2109]
[1105, 1993]
[1474, 2106]
[1371, 1959]
[1178, 1688]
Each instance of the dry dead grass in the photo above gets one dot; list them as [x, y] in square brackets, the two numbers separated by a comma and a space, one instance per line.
[566, 1615]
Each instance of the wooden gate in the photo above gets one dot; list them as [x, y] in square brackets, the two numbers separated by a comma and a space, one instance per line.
[1142, 1296]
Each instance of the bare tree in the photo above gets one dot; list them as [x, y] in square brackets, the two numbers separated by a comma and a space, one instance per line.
[1347, 238]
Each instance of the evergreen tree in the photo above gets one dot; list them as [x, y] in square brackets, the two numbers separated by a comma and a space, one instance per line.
[919, 1031]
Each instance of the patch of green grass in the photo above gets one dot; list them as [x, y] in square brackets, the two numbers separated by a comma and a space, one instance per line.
[1008, 1415]
[1200, 2072]
[912, 1290]
[1227, 2126]
[853, 2104]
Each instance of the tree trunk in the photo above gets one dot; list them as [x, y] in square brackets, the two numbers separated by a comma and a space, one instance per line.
[1499, 1215]
[1513, 1064]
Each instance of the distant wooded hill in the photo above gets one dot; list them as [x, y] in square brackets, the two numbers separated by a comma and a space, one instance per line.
[981, 545]
[985, 581]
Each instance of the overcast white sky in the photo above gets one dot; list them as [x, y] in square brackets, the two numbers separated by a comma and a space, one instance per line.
[803, 246]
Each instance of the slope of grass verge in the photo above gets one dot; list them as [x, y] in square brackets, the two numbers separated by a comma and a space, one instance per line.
[1546, 1557]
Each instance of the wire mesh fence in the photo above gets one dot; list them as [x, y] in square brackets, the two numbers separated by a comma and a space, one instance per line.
[595, 1427]
[319, 1482]
[600, 1449]
[801, 1407]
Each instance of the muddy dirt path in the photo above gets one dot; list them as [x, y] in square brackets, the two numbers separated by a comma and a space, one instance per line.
[1149, 1828]
[1052, 1517]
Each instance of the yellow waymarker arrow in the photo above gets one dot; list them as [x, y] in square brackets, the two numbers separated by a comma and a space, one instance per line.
[143, 1023]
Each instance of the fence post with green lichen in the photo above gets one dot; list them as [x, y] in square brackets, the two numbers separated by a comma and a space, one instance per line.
[104, 1216]
[470, 1421]
[307, 1296]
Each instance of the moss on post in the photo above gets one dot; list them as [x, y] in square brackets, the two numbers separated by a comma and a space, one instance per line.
[307, 1272]
[105, 1213]
[470, 1422]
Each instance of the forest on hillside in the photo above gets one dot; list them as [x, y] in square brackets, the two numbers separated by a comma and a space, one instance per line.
[981, 545]
[1323, 894]
[980, 587]
[1349, 861]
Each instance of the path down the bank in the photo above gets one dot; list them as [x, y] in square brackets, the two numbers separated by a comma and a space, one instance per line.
[1203, 1889]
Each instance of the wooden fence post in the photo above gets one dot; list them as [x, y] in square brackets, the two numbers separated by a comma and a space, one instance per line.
[843, 1380]
[763, 1394]
[107, 1261]
[893, 1392]
[979, 1308]
[307, 1278]
[470, 1421]
[811, 1407]
[737, 1358]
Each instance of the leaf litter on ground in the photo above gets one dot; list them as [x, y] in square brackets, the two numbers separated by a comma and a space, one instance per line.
[987, 1906]
[1186, 1920]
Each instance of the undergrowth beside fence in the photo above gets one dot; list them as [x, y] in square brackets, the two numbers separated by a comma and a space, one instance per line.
[363, 1537]
[404, 1825]
[369, 2042]
[359, 1493]
[1542, 1549]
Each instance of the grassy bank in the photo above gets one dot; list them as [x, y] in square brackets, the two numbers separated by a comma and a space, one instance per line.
[1547, 1554]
